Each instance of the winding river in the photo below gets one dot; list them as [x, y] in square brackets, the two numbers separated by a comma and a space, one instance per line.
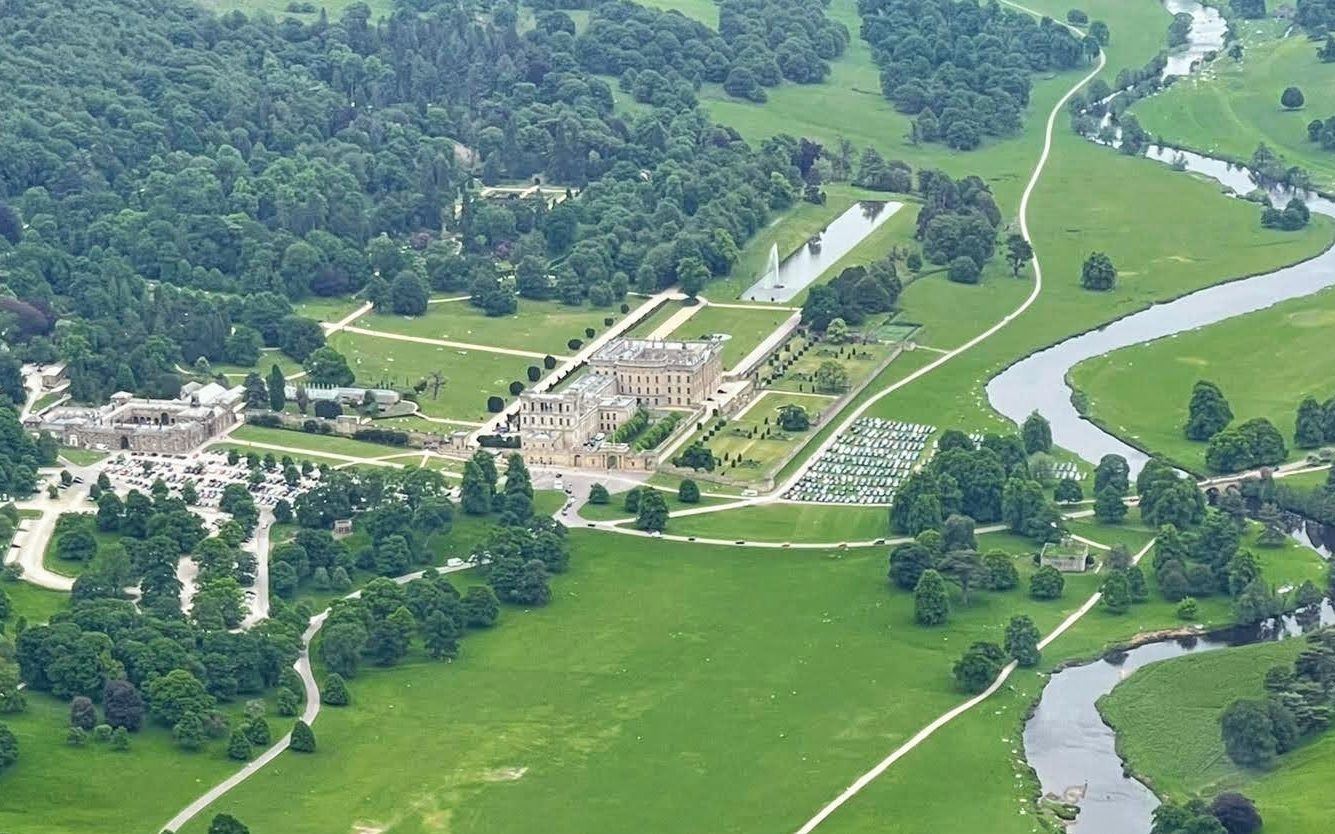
[1073, 751]
[1070, 748]
[1038, 382]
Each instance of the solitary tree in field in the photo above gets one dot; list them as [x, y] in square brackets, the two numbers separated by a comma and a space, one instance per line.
[1018, 253]
[227, 824]
[1309, 432]
[1207, 412]
[1098, 273]
[1292, 98]
[979, 666]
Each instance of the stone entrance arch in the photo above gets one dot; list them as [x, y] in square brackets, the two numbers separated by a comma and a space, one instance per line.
[612, 461]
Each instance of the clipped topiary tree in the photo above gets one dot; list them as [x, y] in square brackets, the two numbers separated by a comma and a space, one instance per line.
[495, 405]
[516, 387]
[534, 373]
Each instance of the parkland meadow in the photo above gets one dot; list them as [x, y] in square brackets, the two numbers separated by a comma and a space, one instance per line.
[1234, 105]
[536, 326]
[1167, 721]
[469, 376]
[638, 704]
[1264, 362]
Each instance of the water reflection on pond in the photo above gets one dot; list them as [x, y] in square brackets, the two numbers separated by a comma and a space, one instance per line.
[822, 251]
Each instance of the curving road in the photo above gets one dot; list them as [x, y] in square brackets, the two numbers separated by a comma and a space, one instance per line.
[308, 715]
[926, 732]
[945, 718]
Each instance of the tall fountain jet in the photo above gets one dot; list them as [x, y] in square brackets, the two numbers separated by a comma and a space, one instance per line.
[772, 271]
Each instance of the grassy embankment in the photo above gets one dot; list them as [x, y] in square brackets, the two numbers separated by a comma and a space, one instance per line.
[1167, 719]
[1264, 362]
[1234, 105]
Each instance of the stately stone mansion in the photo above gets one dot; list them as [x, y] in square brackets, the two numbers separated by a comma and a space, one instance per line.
[198, 414]
[572, 424]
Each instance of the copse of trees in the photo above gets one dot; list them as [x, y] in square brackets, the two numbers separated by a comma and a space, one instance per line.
[1296, 707]
[963, 70]
[1317, 17]
[959, 218]
[855, 293]
[1254, 443]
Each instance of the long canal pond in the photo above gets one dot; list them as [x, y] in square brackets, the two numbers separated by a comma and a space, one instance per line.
[1074, 753]
[782, 281]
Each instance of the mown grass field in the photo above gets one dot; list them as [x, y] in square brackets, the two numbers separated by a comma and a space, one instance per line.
[787, 523]
[81, 457]
[760, 454]
[1234, 105]
[278, 8]
[616, 508]
[1264, 362]
[471, 375]
[1167, 714]
[538, 326]
[646, 326]
[640, 705]
[315, 443]
[746, 329]
[1166, 717]
[69, 567]
[94, 790]
[1091, 198]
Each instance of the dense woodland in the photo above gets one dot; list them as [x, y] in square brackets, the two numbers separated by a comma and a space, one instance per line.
[221, 167]
[963, 69]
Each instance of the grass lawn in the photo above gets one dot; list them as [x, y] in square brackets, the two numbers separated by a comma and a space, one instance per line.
[654, 320]
[1234, 105]
[1265, 363]
[413, 422]
[787, 523]
[224, 448]
[93, 792]
[81, 457]
[28, 600]
[745, 329]
[278, 8]
[328, 309]
[66, 567]
[47, 399]
[1167, 714]
[538, 326]
[237, 373]
[759, 454]
[471, 376]
[858, 361]
[314, 443]
[638, 701]
[616, 508]
[1157, 255]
